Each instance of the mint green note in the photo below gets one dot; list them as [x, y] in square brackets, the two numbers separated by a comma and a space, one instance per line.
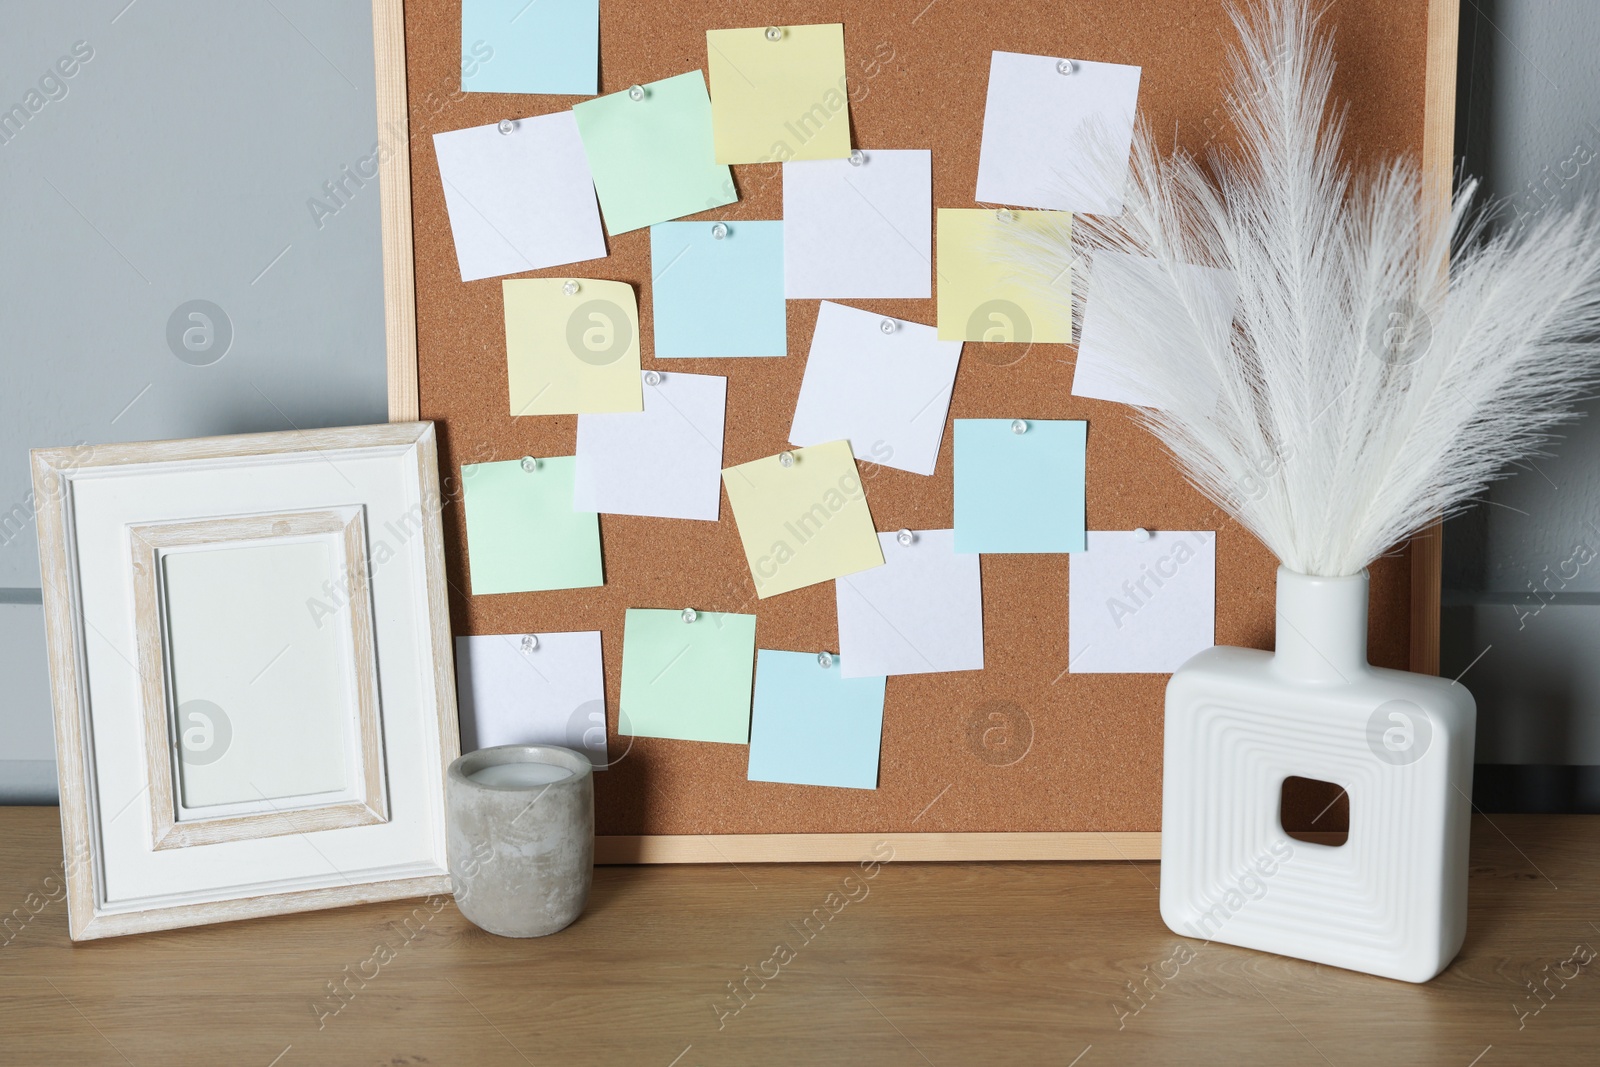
[687, 680]
[652, 157]
[522, 531]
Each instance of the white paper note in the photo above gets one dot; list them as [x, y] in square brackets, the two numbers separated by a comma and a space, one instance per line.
[887, 392]
[919, 613]
[519, 201]
[1055, 140]
[859, 231]
[550, 691]
[1102, 371]
[664, 461]
[1141, 607]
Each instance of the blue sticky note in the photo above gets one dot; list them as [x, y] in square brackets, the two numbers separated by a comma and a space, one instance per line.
[718, 296]
[1020, 492]
[813, 726]
[530, 46]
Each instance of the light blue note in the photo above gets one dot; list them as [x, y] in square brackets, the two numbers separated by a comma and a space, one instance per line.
[718, 296]
[530, 46]
[1020, 492]
[813, 726]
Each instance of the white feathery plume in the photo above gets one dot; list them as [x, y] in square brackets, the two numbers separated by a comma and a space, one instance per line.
[1366, 382]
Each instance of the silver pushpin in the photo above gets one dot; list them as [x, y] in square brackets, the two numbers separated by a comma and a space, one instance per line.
[1019, 426]
[530, 464]
[719, 230]
[857, 157]
[529, 643]
[689, 615]
[774, 33]
[636, 92]
[905, 537]
[887, 326]
[652, 377]
[506, 126]
[1066, 66]
[825, 660]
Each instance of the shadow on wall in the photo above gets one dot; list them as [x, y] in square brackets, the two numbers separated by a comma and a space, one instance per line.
[1537, 720]
[1521, 612]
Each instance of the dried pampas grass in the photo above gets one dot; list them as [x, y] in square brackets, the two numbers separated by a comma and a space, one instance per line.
[1368, 381]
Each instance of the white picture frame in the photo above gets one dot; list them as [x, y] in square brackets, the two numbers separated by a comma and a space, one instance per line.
[296, 578]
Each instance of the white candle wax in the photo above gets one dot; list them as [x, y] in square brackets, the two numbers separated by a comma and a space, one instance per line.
[520, 774]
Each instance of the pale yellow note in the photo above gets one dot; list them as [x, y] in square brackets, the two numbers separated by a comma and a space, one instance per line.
[983, 294]
[774, 100]
[572, 346]
[803, 523]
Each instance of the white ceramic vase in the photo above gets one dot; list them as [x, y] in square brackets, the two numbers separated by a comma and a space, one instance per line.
[1392, 900]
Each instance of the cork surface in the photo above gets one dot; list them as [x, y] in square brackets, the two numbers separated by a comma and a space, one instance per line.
[1064, 752]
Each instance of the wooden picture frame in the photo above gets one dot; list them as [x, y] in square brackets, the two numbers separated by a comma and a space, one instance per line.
[111, 521]
[150, 542]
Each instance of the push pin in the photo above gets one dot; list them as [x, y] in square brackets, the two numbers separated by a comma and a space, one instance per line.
[719, 230]
[905, 537]
[1066, 66]
[689, 615]
[1019, 426]
[530, 464]
[529, 643]
[785, 459]
[1005, 215]
[652, 377]
[635, 92]
[774, 33]
[1141, 535]
[887, 325]
[571, 288]
[857, 157]
[506, 126]
[825, 660]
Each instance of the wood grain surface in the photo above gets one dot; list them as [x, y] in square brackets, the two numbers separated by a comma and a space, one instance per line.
[944, 964]
[1085, 752]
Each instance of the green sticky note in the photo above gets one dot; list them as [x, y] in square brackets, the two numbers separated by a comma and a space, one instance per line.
[522, 532]
[687, 680]
[652, 157]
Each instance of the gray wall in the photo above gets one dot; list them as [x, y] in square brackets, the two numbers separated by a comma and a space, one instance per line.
[1522, 579]
[178, 162]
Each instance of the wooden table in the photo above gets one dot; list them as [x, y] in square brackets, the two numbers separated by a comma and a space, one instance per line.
[931, 964]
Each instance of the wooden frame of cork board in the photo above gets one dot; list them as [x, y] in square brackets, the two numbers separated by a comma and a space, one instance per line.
[1074, 771]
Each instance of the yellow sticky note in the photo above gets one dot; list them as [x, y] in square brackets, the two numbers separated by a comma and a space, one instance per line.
[774, 100]
[985, 297]
[804, 522]
[572, 346]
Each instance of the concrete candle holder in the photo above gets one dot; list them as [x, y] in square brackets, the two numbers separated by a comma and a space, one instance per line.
[519, 834]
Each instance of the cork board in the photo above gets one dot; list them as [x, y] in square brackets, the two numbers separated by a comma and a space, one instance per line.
[1076, 753]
